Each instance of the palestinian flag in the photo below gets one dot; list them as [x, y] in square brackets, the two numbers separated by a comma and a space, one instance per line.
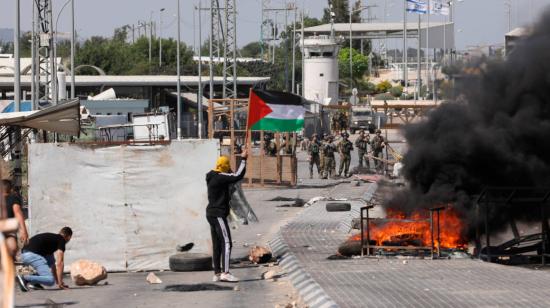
[275, 111]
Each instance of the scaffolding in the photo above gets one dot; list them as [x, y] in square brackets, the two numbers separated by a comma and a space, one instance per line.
[230, 51]
[44, 80]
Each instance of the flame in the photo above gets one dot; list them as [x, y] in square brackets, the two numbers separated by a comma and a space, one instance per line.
[414, 230]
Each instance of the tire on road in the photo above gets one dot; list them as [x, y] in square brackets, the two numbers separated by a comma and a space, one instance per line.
[190, 262]
[338, 207]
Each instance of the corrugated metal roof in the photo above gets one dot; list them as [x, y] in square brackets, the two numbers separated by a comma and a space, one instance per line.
[135, 80]
[373, 27]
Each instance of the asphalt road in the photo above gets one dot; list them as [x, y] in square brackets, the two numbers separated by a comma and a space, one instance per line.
[195, 288]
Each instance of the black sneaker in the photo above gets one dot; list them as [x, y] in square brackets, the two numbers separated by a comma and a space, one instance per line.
[22, 284]
[35, 286]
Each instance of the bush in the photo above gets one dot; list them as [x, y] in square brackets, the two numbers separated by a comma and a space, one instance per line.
[384, 97]
[396, 91]
[383, 87]
[366, 87]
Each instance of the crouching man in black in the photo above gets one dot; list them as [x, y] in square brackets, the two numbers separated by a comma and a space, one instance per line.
[39, 253]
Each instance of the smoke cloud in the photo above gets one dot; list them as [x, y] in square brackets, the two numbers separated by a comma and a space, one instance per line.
[496, 134]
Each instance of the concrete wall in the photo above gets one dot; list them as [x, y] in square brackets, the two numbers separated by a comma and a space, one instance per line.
[129, 206]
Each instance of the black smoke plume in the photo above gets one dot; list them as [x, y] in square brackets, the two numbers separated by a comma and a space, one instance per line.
[496, 134]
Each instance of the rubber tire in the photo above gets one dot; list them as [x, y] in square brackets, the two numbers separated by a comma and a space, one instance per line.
[338, 207]
[190, 262]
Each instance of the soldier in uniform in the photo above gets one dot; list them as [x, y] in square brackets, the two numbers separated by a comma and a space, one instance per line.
[361, 144]
[329, 163]
[377, 145]
[336, 123]
[344, 148]
[322, 154]
[270, 148]
[314, 150]
[343, 122]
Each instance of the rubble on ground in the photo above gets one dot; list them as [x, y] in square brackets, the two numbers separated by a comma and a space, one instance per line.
[153, 279]
[259, 254]
[86, 272]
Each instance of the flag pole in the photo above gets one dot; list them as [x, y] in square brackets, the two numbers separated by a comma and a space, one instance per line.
[405, 64]
[248, 129]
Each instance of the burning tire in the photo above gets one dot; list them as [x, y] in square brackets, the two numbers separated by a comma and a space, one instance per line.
[190, 262]
[338, 207]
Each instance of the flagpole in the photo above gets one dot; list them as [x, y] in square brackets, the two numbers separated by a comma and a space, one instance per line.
[418, 69]
[248, 129]
[428, 59]
[405, 45]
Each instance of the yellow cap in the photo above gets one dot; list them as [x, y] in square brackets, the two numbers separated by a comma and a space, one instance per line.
[222, 164]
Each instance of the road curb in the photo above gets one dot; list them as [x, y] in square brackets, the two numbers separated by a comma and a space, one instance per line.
[310, 291]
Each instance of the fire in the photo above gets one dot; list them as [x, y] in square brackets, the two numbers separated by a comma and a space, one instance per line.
[414, 230]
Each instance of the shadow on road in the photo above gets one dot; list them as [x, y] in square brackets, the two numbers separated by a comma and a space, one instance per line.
[196, 287]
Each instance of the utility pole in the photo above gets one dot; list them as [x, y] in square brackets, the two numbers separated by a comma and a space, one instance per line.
[160, 37]
[150, 37]
[303, 54]
[418, 68]
[287, 38]
[16, 154]
[33, 56]
[294, 52]
[73, 39]
[210, 50]
[199, 100]
[405, 60]
[428, 58]
[178, 83]
[274, 39]
[17, 58]
[350, 48]
[53, 60]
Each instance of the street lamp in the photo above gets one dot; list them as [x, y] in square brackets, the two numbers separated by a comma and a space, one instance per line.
[178, 83]
[351, 12]
[160, 37]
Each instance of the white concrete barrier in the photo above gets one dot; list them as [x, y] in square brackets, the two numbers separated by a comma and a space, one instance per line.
[129, 206]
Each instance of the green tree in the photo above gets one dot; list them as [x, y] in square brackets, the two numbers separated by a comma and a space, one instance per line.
[396, 91]
[117, 56]
[360, 63]
[340, 8]
[251, 50]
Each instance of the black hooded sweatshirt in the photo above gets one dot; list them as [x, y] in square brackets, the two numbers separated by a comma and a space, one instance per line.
[218, 184]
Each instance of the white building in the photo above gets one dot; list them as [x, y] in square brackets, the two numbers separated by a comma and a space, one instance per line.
[321, 69]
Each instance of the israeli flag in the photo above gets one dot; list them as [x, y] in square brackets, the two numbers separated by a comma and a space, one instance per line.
[439, 7]
[417, 6]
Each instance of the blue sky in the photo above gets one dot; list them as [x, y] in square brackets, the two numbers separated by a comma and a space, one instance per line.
[478, 22]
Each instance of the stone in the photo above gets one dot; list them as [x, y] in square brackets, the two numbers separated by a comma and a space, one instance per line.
[236, 288]
[153, 279]
[269, 275]
[258, 254]
[86, 272]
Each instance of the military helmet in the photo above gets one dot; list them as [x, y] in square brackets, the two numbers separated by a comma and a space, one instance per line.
[378, 131]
